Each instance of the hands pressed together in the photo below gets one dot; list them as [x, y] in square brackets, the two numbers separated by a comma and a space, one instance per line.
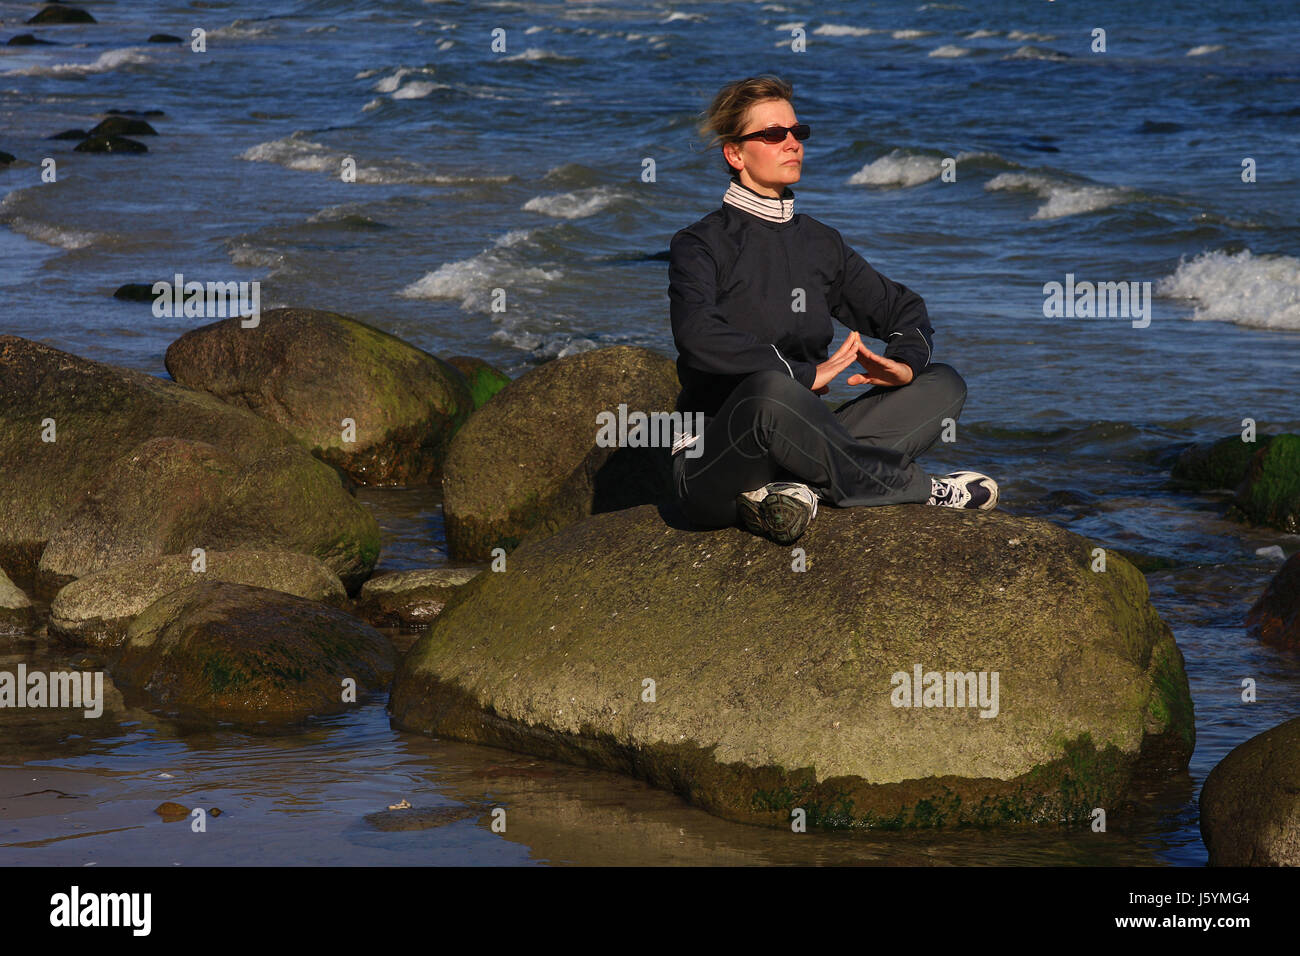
[879, 370]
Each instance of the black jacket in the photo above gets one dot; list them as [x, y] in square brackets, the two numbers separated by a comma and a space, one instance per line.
[732, 281]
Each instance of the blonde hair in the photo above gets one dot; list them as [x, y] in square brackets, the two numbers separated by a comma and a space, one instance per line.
[726, 115]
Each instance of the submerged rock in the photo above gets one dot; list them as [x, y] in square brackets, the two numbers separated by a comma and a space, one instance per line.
[1275, 617]
[410, 598]
[528, 459]
[1218, 465]
[247, 654]
[709, 664]
[118, 125]
[309, 371]
[99, 608]
[110, 144]
[77, 448]
[61, 13]
[135, 292]
[1250, 802]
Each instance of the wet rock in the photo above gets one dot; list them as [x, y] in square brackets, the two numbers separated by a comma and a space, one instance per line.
[6, 158]
[16, 614]
[135, 292]
[1210, 466]
[1250, 803]
[102, 419]
[98, 609]
[110, 144]
[776, 689]
[116, 112]
[1269, 494]
[61, 13]
[410, 598]
[172, 812]
[123, 126]
[309, 371]
[165, 38]
[1275, 617]
[483, 380]
[70, 134]
[28, 39]
[528, 461]
[422, 818]
[248, 655]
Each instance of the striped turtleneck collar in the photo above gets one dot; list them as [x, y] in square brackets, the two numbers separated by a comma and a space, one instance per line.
[767, 207]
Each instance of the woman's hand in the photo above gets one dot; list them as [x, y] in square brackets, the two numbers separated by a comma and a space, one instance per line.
[844, 356]
[879, 370]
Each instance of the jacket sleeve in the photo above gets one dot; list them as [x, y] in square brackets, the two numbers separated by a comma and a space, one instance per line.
[702, 335]
[869, 303]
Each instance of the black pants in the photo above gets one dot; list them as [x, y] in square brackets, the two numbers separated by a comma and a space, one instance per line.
[771, 428]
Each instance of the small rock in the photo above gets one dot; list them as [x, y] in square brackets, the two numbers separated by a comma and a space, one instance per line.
[61, 13]
[110, 144]
[171, 812]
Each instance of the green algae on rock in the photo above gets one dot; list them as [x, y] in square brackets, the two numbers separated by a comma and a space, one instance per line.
[1269, 494]
[483, 380]
[71, 424]
[1219, 464]
[312, 372]
[98, 609]
[1250, 802]
[528, 460]
[248, 655]
[705, 663]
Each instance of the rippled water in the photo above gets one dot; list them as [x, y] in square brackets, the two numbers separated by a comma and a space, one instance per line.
[522, 170]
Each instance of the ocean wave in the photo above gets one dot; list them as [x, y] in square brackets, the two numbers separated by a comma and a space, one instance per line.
[52, 235]
[242, 30]
[418, 90]
[1063, 198]
[1037, 53]
[1205, 48]
[1245, 289]
[842, 30]
[537, 54]
[911, 34]
[104, 63]
[902, 169]
[1020, 36]
[948, 51]
[471, 281]
[983, 34]
[574, 205]
[306, 156]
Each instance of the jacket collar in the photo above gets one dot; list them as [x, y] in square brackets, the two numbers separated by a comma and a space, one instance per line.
[766, 207]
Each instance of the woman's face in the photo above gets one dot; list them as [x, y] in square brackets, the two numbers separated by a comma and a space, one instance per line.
[768, 167]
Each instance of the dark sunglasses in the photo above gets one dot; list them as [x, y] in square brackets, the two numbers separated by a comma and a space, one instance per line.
[776, 134]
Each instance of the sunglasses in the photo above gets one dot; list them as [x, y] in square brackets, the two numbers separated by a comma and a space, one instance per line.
[776, 134]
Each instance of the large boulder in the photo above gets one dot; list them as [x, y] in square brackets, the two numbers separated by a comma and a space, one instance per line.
[16, 614]
[529, 461]
[309, 371]
[1217, 465]
[98, 609]
[1250, 802]
[246, 654]
[233, 480]
[1275, 617]
[776, 688]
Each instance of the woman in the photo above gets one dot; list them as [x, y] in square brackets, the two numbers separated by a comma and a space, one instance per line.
[753, 289]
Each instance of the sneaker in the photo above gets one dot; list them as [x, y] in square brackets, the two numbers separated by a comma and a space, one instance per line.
[780, 510]
[964, 489]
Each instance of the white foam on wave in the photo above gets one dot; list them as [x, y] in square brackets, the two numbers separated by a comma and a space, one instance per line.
[1205, 48]
[104, 63]
[248, 255]
[1063, 199]
[574, 205]
[537, 54]
[418, 90]
[1245, 289]
[1036, 53]
[1020, 36]
[680, 15]
[293, 152]
[903, 169]
[948, 51]
[843, 30]
[53, 235]
[983, 34]
[911, 34]
[241, 30]
[471, 281]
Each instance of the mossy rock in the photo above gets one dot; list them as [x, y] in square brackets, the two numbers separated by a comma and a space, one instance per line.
[310, 371]
[774, 688]
[1210, 466]
[483, 380]
[1269, 494]
[270, 493]
[528, 462]
[250, 655]
[410, 598]
[98, 609]
[1250, 802]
